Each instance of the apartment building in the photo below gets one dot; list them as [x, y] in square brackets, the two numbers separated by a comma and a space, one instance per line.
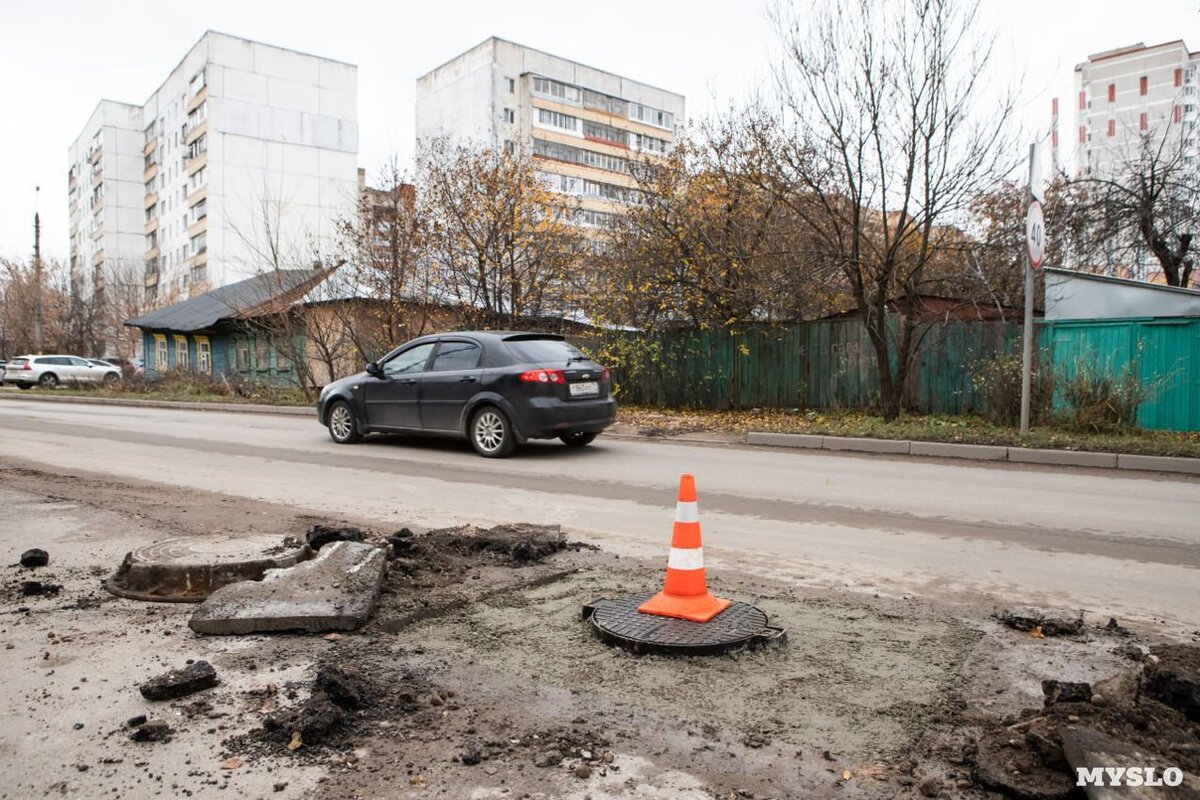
[1126, 94]
[581, 125]
[243, 159]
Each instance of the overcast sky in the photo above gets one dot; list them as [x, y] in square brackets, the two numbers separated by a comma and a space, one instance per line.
[57, 59]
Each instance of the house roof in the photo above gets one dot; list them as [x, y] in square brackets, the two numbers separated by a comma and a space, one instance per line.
[226, 302]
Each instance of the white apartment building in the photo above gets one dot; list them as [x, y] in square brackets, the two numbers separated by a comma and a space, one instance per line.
[1127, 93]
[245, 150]
[581, 125]
[104, 190]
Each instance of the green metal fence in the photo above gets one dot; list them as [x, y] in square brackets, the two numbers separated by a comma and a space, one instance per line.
[1165, 352]
[830, 364]
[822, 364]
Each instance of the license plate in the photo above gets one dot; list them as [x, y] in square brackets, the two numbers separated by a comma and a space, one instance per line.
[584, 388]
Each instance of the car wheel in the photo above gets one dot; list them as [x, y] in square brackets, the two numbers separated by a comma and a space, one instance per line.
[343, 427]
[491, 433]
[48, 380]
[577, 438]
[24, 385]
[111, 378]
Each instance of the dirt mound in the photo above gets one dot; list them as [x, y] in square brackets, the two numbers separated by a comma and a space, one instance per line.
[1025, 758]
[450, 552]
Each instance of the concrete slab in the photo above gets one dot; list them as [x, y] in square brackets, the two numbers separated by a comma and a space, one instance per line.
[805, 440]
[1067, 458]
[978, 452]
[867, 445]
[1189, 466]
[1089, 749]
[336, 591]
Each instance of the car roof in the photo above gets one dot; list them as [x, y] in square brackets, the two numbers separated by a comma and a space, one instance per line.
[506, 336]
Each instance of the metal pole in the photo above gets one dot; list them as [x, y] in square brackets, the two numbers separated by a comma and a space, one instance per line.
[1027, 333]
[37, 279]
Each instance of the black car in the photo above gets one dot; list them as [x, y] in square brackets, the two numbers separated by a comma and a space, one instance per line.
[497, 388]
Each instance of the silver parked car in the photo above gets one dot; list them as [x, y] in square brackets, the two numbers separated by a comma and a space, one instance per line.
[50, 371]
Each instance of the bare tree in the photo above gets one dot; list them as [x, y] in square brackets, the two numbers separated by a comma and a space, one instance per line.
[503, 247]
[22, 292]
[888, 132]
[1145, 201]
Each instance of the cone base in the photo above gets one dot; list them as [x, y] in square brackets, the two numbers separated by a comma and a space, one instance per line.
[696, 608]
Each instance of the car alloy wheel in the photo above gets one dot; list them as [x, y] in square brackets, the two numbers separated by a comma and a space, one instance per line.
[49, 380]
[342, 428]
[491, 434]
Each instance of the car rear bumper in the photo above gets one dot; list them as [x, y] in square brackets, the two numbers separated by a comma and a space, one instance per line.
[548, 417]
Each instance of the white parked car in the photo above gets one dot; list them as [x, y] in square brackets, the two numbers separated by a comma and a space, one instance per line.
[50, 371]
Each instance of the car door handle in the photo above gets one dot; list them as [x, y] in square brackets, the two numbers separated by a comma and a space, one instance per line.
[408, 380]
[467, 379]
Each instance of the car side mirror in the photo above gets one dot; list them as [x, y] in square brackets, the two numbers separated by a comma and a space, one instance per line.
[374, 370]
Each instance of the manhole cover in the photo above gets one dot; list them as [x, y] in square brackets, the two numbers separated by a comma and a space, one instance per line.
[739, 627]
[189, 569]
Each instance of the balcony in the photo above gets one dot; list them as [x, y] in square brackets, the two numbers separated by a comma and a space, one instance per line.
[98, 231]
[93, 154]
[197, 227]
[195, 164]
[98, 257]
[152, 254]
[150, 199]
[195, 131]
[196, 99]
[201, 193]
[150, 147]
[150, 227]
[149, 173]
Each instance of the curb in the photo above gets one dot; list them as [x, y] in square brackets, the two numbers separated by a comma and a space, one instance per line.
[244, 408]
[979, 452]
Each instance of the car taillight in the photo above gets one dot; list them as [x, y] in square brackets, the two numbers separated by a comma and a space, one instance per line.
[25, 366]
[543, 376]
[604, 374]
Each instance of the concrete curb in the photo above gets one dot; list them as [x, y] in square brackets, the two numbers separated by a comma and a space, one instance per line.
[979, 452]
[244, 408]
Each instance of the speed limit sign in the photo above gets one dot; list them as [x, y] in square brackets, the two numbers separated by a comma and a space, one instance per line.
[1035, 234]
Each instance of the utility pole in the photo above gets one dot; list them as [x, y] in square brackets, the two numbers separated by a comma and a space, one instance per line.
[37, 275]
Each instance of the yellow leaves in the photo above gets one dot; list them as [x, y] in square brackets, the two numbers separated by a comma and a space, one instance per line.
[296, 741]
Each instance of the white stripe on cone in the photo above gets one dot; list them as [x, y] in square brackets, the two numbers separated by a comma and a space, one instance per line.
[686, 558]
[687, 512]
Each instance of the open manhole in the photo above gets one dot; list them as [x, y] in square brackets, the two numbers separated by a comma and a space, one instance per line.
[189, 569]
[739, 627]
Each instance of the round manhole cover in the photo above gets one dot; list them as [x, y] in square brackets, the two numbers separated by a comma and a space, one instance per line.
[738, 627]
[189, 569]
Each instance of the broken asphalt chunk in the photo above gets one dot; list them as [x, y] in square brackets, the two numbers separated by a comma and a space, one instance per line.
[337, 590]
[35, 557]
[320, 535]
[1066, 692]
[180, 682]
[1174, 679]
[1051, 623]
[156, 730]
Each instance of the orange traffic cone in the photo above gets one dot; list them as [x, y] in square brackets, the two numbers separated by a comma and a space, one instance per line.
[685, 593]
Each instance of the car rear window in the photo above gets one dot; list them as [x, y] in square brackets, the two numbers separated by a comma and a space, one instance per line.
[537, 351]
[19, 362]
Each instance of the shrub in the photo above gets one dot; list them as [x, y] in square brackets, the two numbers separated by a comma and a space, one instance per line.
[998, 380]
[1100, 402]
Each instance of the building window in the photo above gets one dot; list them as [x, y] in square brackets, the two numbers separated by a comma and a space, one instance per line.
[196, 84]
[1112, 127]
[262, 356]
[512, 85]
[1179, 76]
[1143, 85]
[556, 90]
[181, 352]
[242, 355]
[199, 274]
[160, 353]
[198, 211]
[203, 355]
[652, 116]
[199, 243]
[510, 116]
[605, 133]
[509, 147]
[1177, 114]
[554, 119]
[650, 144]
[282, 362]
[1112, 93]
[578, 155]
[606, 103]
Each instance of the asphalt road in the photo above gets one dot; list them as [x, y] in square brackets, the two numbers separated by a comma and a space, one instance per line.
[1126, 544]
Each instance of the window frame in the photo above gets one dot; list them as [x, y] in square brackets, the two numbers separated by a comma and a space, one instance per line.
[424, 364]
[203, 355]
[181, 348]
[432, 365]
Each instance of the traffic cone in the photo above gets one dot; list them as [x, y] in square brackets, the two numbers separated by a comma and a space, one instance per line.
[685, 593]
